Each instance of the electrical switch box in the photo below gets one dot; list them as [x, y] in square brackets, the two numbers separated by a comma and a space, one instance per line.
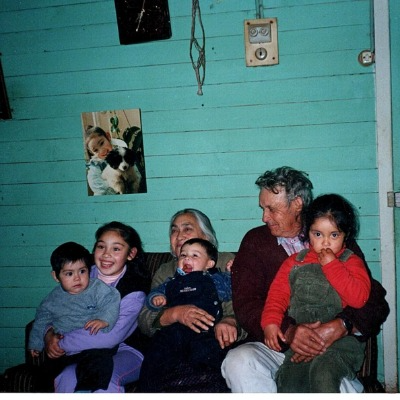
[261, 42]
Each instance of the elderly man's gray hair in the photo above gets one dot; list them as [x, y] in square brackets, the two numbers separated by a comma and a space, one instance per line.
[295, 183]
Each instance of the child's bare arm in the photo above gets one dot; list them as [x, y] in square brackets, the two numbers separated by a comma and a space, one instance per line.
[271, 334]
[95, 325]
[159, 301]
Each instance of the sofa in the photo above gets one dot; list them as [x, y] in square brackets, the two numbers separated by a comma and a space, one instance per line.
[24, 378]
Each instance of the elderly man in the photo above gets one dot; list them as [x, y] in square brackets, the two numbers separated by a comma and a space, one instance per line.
[251, 367]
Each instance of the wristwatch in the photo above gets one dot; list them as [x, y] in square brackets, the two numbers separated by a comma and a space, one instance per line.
[348, 325]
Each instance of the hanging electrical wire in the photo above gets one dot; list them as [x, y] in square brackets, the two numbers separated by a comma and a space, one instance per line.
[372, 26]
[259, 9]
[200, 65]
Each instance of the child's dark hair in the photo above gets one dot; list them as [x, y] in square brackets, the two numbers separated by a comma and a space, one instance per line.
[69, 252]
[132, 238]
[210, 249]
[91, 131]
[94, 130]
[338, 210]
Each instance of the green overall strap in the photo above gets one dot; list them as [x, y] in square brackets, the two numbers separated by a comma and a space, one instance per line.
[302, 255]
[345, 255]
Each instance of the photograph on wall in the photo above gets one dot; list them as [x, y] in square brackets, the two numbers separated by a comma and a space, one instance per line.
[114, 153]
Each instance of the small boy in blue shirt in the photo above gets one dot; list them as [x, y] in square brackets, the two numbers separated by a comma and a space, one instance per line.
[76, 303]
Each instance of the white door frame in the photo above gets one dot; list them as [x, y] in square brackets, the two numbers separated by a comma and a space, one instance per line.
[385, 178]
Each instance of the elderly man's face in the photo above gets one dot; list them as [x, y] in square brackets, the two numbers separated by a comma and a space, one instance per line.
[282, 220]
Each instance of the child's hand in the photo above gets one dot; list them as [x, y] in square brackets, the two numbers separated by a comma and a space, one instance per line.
[159, 301]
[226, 332]
[326, 256]
[229, 264]
[271, 335]
[95, 325]
[34, 353]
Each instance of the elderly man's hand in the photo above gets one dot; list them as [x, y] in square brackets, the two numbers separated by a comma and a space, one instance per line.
[298, 358]
[305, 340]
[329, 332]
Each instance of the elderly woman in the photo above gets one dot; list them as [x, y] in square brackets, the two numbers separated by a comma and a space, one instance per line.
[186, 224]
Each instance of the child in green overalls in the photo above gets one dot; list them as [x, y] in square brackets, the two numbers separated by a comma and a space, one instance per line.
[315, 285]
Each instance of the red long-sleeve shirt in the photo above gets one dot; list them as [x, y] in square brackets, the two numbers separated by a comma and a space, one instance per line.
[350, 280]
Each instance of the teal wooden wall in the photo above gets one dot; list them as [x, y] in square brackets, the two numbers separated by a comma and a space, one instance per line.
[314, 111]
[395, 62]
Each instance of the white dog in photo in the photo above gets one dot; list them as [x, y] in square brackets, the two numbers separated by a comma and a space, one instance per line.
[121, 173]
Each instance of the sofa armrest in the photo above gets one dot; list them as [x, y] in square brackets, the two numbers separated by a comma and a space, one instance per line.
[25, 378]
[22, 378]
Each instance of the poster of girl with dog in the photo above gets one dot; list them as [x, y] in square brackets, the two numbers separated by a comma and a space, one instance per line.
[114, 154]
